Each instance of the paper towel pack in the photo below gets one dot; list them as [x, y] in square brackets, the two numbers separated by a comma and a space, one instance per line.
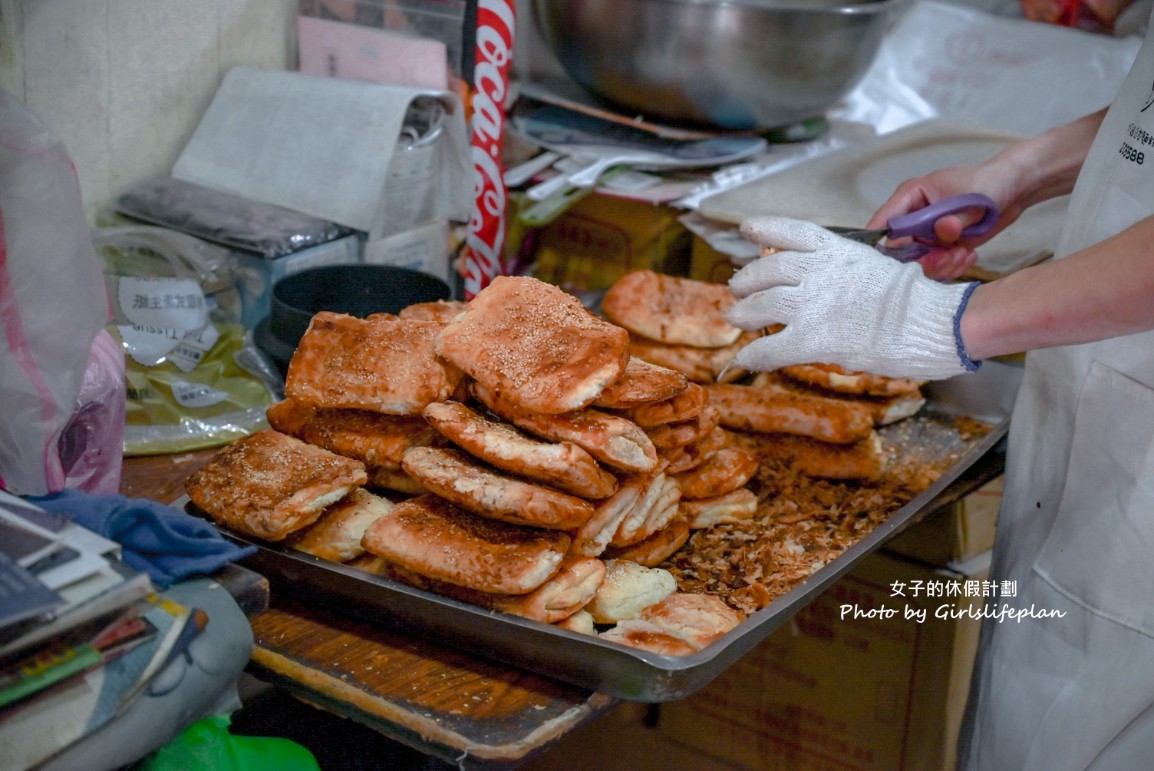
[334, 148]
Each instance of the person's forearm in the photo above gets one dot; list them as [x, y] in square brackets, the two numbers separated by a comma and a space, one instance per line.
[1046, 166]
[1104, 291]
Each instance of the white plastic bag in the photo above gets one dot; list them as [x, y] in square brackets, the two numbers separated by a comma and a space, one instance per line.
[943, 60]
[52, 301]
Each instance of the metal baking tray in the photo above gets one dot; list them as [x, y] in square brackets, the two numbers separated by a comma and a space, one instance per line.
[615, 670]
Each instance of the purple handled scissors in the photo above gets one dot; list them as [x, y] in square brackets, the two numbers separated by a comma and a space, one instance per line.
[920, 226]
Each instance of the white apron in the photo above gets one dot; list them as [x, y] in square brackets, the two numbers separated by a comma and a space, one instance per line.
[1076, 531]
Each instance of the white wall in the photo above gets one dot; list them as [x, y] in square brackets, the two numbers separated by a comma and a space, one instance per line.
[124, 82]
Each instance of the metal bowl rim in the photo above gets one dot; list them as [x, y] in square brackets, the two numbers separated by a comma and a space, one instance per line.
[863, 8]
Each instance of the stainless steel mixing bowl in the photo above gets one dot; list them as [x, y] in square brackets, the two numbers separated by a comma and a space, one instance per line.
[734, 64]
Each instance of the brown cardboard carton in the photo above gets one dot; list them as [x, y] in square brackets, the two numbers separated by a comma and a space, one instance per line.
[601, 238]
[856, 680]
[958, 533]
[709, 264]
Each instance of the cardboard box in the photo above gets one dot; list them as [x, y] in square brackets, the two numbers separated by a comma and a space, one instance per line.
[709, 264]
[601, 238]
[256, 275]
[622, 739]
[838, 687]
[426, 20]
[341, 50]
[957, 533]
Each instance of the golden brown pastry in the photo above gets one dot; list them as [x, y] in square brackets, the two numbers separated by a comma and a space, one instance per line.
[376, 439]
[885, 409]
[336, 536]
[382, 364]
[647, 636]
[563, 465]
[654, 549]
[535, 345]
[580, 622]
[655, 509]
[593, 537]
[671, 309]
[864, 460]
[441, 311]
[628, 589]
[440, 540]
[700, 619]
[568, 591]
[700, 365]
[735, 506]
[611, 439]
[835, 378]
[672, 435]
[269, 484]
[642, 383]
[394, 479]
[289, 417]
[774, 411]
[686, 405]
[453, 475]
[681, 459]
[724, 471]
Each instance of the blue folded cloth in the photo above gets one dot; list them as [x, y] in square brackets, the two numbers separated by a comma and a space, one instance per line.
[157, 539]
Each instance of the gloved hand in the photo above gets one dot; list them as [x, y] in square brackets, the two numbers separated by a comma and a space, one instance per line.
[845, 303]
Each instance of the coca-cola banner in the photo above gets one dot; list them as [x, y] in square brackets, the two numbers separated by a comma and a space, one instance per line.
[487, 73]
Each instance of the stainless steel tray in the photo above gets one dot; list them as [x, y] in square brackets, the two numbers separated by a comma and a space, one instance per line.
[612, 669]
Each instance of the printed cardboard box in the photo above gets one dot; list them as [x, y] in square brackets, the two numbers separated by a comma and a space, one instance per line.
[601, 238]
[958, 533]
[709, 264]
[856, 680]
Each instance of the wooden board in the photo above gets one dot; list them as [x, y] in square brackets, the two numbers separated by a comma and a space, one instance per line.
[436, 699]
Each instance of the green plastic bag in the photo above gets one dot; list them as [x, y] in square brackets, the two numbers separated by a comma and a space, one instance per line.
[207, 744]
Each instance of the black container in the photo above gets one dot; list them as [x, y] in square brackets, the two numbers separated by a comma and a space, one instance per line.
[357, 290]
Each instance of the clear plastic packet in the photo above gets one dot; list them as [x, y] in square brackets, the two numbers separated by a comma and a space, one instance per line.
[190, 376]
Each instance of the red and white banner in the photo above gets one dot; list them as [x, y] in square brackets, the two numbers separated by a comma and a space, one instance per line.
[493, 54]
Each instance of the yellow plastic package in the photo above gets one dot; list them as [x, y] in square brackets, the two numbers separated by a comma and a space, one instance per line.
[193, 378]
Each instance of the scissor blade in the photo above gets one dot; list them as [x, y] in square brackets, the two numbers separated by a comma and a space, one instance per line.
[861, 235]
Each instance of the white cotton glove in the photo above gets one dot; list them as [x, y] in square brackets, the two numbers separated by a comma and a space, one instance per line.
[845, 303]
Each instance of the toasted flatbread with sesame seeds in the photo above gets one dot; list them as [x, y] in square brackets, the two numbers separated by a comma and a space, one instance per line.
[611, 439]
[671, 309]
[563, 465]
[642, 383]
[382, 364]
[536, 345]
[374, 438]
[438, 539]
[442, 311]
[270, 484]
[456, 477]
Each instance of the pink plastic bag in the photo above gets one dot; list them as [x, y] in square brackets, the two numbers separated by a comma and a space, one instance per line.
[52, 304]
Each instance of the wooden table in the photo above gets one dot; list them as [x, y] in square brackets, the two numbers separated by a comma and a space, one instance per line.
[464, 709]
